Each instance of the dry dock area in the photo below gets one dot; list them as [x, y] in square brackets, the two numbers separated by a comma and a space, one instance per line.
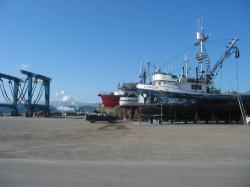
[74, 152]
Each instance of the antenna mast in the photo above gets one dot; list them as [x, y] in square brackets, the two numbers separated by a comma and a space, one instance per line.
[143, 74]
[203, 67]
[186, 64]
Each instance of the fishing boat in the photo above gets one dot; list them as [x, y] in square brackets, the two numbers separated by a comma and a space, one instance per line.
[192, 98]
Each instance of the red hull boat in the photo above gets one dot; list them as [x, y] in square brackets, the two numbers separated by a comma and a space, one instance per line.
[110, 100]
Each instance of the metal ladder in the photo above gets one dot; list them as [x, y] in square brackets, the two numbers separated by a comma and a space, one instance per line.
[242, 109]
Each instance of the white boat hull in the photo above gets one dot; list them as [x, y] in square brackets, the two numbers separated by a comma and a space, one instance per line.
[128, 101]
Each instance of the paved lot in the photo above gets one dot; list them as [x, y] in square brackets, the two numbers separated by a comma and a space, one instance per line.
[68, 173]
[72, 152]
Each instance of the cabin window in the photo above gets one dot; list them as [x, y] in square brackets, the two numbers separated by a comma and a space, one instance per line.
[196, 87]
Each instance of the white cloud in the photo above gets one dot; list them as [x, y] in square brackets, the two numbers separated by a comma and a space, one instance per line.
[62, 92]
[64, 97]
[24, 66]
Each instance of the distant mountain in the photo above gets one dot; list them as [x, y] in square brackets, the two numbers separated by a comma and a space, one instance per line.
[70, 106]
[248, 92]
[57, 106]
[87, 108]
[57, 103]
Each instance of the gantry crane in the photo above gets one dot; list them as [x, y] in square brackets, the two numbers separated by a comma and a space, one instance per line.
[35, 106]
[23, 92]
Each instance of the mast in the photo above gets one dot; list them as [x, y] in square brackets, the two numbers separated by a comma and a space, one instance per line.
[186, 65]
[143, 73]
[203, 67]
[148, 71]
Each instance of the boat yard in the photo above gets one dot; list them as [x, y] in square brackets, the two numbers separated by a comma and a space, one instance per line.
[124, 93]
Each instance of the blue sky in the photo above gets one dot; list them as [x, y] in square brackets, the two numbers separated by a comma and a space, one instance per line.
[91, 45]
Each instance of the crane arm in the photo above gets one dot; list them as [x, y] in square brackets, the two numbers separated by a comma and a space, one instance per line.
[230, 49]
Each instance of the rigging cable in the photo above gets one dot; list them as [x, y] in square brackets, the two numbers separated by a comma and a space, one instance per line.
[4, 95]
[220, 75]
[4, 92]
[21, 95]
[178, 55]
[214, 42]
[11, 87]
[237, 76]
[242, 109]
[231, 75]
[34, 88]
[39, 94]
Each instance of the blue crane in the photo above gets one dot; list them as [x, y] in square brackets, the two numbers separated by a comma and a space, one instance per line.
[45, 84]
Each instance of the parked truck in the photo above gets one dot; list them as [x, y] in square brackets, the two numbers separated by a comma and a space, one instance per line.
[93, 117]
